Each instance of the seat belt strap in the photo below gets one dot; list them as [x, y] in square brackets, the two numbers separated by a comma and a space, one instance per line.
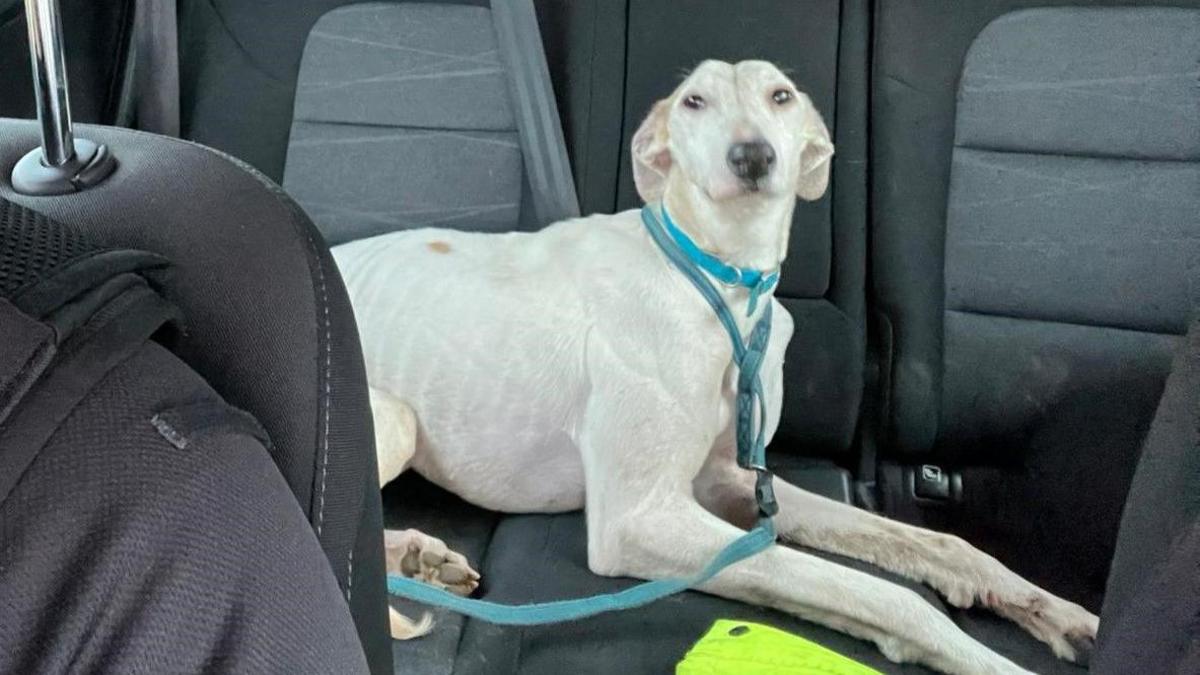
[547, 167]
[156, 66]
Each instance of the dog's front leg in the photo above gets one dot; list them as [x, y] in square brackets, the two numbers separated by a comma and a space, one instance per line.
[641, 450]
[410, 553]
[673, 536]
[962, 573]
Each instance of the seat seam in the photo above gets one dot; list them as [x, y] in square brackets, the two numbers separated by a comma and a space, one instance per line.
[1077, 155]
[1063, 322]
[327, 388]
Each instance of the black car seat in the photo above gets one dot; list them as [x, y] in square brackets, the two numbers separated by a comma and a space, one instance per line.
[1034, 198]
[268, 325]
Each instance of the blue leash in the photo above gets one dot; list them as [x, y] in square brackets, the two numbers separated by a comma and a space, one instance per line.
[751, 452]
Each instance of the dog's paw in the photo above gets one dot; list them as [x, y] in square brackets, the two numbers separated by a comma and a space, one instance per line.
[1069, 629]
[417, 555]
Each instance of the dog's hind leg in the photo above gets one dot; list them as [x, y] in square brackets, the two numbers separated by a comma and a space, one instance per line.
[411, 553]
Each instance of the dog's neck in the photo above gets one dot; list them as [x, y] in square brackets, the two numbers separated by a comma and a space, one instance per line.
[750, 231]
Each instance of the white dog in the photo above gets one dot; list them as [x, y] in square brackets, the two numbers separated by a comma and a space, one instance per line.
[575, 367]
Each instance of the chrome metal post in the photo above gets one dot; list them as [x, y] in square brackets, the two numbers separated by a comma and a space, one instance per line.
[63, 163]
[50, 81]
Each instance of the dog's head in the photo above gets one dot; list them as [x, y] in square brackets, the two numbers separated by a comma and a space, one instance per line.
[735, 131]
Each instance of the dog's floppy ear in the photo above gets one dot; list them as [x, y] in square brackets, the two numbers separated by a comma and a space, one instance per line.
[650, 153]
[815, 152]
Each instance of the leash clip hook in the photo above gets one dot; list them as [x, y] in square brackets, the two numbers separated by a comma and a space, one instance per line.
[764, 492]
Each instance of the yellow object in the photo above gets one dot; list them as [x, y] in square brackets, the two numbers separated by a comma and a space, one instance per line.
[744, 648]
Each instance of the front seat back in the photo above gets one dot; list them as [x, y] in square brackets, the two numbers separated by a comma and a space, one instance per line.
[267, 324]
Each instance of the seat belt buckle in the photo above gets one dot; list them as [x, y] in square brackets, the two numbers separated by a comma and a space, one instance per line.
[764, 493]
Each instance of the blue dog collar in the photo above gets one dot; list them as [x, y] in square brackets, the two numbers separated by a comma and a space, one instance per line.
[757, 281]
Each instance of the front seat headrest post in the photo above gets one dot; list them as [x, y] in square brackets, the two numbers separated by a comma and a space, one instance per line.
[50, 81]
[63, 164]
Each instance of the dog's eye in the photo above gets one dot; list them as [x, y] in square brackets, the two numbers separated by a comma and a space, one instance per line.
[695, 102]
[781, 96]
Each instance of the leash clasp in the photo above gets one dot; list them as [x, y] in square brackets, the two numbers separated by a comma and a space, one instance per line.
[764, 492]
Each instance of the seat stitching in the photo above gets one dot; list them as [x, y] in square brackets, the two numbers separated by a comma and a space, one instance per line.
[285, 201]
[326, 394]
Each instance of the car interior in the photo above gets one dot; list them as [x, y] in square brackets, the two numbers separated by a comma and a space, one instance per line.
[987, 301]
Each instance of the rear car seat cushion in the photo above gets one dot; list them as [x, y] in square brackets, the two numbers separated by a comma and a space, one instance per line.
[1071, 220]
[529, 558]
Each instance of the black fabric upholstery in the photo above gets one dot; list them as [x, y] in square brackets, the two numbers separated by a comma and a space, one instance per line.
[585, 50]
[1028, 242]
[1149, 621]
[538, 557]
[268, 325]
[111, 570]
[146, 528]
[435, 85]
[913, 110]
[240, 60]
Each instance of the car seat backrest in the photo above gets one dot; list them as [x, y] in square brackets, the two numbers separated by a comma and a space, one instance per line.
[267, 324]
[403, 119]
[1058, 278]
[1071, 220]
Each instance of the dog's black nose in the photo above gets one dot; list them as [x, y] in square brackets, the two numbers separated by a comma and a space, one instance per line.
[751, 161]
